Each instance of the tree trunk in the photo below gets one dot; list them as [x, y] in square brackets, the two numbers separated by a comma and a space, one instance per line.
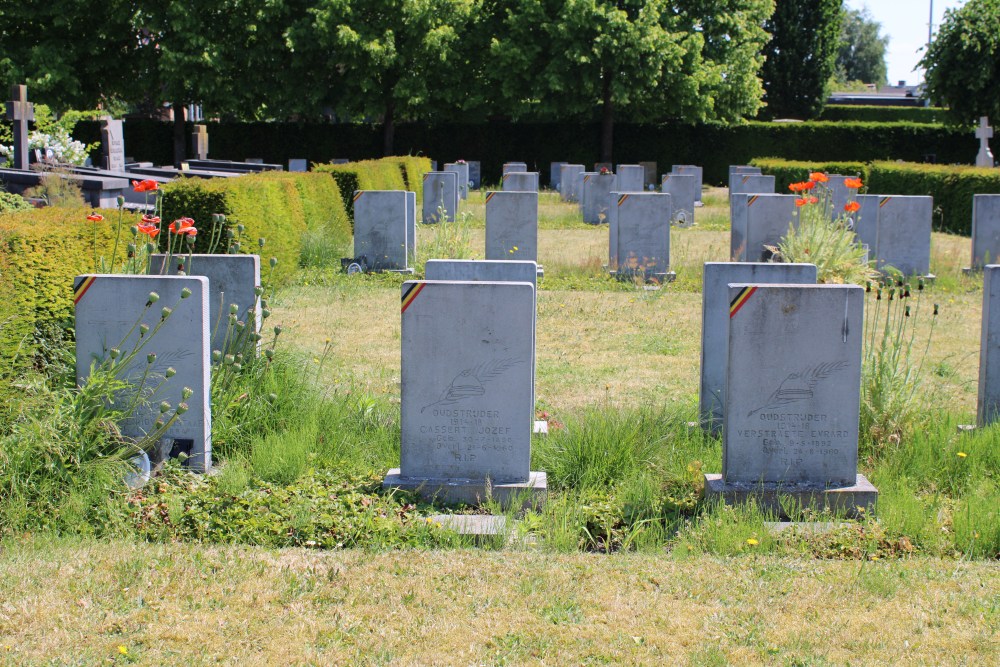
[180, 153]
[388, 127]
[607, 118]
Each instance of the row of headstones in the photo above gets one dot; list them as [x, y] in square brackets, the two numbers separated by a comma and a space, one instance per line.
[595, 191]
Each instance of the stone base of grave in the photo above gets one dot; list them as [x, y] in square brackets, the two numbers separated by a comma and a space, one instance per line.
[472, 491]
[966, 428]
[843, 501]
[481, 525]
[661, 278]
[403, 271]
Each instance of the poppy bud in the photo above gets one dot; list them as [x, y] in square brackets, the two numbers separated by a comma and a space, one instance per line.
[170, 372]
[185, 293]
[151, 357]
[186, 393]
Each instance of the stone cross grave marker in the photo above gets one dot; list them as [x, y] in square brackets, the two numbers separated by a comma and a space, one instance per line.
[512, 225]
[984, 133]
[568, 182]
[985, 231]
[232, 280]
[682, 189]
[381, 224]
[752, 184]
[715, 323]
[793, 395]
[693, 170]
[112, 145]
[520, 181]
[199, 142]
[555, 174]
[462, 171]
[108, 307]
[639, 236]
[440, 196]
[20, 111]
[988, 406]
[630, 178]
[756, 221]
[466, 397]
[597, 197]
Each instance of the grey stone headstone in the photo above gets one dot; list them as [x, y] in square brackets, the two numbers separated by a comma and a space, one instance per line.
[866, 220]
[514, 166]
[344, 160]
[648, 173]
[793, 384]
[512, 225]
[555, 174]
[904, 234]
[411, 227]
[112, 145]
[440, 192]
[298, 164]
[108, 307]
[254, 160]
[630, 178]
[989, 352]
[568, 181]
[199, 142]
[694, 170]
[578, 182]
[639, 235]
[597, 197]
[475, 174]
[759, 220]
[985, 230]
[840, 194]
[466, 411]
[517, 181]
[380, 229]
[751, 184]
[462, 172]
[741, 169]
[682, 188]
[231, 281]
[715, 323]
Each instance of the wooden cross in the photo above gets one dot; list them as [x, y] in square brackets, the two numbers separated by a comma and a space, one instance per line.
[984, 132]
[20, 111]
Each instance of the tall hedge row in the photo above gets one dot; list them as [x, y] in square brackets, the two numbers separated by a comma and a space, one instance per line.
[385, 174]
[951, 186]
[714, 146]
[864, 113]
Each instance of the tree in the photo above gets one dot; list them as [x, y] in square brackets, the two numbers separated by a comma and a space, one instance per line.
[861, 55]
[800, 56]
[963, 62]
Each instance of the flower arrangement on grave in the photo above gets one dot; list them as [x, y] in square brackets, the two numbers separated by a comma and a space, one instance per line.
[605, 171]
[825, 237]
[52, 137]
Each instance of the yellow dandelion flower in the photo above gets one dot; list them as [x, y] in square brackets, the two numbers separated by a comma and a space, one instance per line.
[752, 542]
[874, 557]
[515, 247]
[961, 455]
[122, 650]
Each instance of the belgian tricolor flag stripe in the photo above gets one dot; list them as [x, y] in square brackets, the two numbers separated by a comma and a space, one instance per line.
[882, 202]
[741, 298]
[489, 197]
[752, 200]
[80, 287]
[357, 195]
[621, 200]
[410, 294]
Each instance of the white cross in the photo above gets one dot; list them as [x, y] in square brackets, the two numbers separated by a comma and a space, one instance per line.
[984, 132]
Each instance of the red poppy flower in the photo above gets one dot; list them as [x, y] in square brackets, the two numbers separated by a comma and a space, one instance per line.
[808, 185]
[801, 202]
[814, 200]
[183, 226]
[796, 187]
[852, 206]
[150, 219]
[149, 230]
[854, 183]
[818, 177]
[147, 185]
[95, 217]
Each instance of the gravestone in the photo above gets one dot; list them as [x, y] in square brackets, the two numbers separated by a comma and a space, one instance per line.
[904, 235]
[380, 229]
[793, 395]
[466, 392]
[20, 111]
[988, 406]
[741, 169]
[693, 170]
[578, 182]
[512, 225]
[461, 170]
[984, 133]
[440, 196]
[682, 189]
[840, 194]
[985, 231]
[866, 220]
[518, 181]
[254, 160]
[475, 174]
[232, 280]
[569, 178]
[199, 142]
[597, 197]
[108, 307]
[598, 166]
[648, 174]
[411, 227]
[715, 323]
[639, 236]
[514, 166]
[759, 220]
[112, 145]
[630, 178]
[298, 164]
[752, 184]
[555, 174]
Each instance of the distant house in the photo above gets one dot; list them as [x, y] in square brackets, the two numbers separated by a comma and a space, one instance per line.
[900, 95]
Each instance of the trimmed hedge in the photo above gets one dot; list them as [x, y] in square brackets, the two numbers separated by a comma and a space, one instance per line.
[864, 113]
[41, 251]
[385, 174]
[951, 186]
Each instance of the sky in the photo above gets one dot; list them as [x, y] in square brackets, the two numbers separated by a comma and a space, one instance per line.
[905, 22]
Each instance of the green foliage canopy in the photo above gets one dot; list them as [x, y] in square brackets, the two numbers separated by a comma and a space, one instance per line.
[861, 56]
